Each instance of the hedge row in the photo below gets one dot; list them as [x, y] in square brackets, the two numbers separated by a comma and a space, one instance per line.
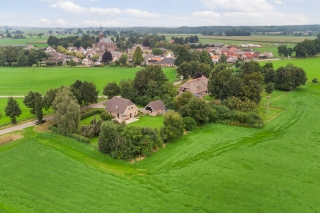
[73, 136]
[91, 113]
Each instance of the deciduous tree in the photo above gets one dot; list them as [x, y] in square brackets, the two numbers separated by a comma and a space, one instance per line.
[111, 89]
[34, 101]
[66, 111]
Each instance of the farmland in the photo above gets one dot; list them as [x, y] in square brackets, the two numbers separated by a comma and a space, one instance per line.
[41, 79]
[310, 65]
[216, 168]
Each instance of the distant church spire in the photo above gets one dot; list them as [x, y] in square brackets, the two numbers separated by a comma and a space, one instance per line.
[101, 34]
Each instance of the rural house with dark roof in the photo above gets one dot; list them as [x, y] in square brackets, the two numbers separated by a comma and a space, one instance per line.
[155, 107]
[121, 108]
[198, 86]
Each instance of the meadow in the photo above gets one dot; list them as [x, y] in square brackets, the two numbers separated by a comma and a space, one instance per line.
[25, 111]
[19, 81]
[310, 65]
[35, 41]
[215, 168]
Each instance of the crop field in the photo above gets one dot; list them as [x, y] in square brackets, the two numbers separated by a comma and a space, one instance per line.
[216, 168]
[19, 81]
[35, 41]
[310, 65]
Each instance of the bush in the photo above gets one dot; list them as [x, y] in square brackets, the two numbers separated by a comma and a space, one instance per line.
[269, 88]
[73, 136]
[106, 116]
[190, 123]
[315, 80]
[14, 64]
[6, 64]
[91, 113]
[34, 65]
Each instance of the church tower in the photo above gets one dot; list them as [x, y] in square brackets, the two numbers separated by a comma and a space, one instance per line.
[101, 34]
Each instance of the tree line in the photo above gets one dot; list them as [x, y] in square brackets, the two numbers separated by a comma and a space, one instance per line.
[17, 56]
[238, 32]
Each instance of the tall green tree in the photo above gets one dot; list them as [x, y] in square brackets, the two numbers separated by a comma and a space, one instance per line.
[173, 126]
[89, 93]
[137, 56]
[199, 110]
[66, 111]
[127, 90]
[185, 70]
[49, 97]
[111, 89]
[34, 101]
[12, 110]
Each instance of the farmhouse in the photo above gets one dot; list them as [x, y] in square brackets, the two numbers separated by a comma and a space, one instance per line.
[121, 108]
[155, 107]
[198, 86]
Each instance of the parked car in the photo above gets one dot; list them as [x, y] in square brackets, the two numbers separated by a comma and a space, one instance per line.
[43, 121]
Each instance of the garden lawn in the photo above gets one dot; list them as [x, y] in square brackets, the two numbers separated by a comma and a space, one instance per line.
[149, 121]
[19, 81]
[215, 168]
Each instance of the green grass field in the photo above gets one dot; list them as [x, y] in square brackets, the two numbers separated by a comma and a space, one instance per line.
[149, 121]
[19, 81]
[216, 168]
[310, 65]
[25, 111]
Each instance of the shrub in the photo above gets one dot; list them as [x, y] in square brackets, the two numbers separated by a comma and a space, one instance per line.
[6, 64]
[269, 88]
[190, 123]
[14, 64]
[91, 113]
[34, 65]
[315, 80]
[73, 136]
[106, 116]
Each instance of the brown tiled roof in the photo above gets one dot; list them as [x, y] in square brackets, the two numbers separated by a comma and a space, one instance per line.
[196, 85]
[118, 105]
[156, 105]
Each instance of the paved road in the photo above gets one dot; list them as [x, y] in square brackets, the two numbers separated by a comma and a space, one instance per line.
[48, 118]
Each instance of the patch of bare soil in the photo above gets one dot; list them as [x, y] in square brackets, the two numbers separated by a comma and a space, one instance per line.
[9, 138]
[42, 128]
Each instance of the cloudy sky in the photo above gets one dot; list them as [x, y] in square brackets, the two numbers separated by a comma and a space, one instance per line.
[168, 13]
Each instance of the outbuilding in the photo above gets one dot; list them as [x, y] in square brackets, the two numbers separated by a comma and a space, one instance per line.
[155, 107]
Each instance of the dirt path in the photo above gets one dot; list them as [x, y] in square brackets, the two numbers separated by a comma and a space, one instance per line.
[48, 118]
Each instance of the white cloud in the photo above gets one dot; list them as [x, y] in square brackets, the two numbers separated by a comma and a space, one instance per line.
[207, 14]
[263, 18]
[106, 11]
[75, 8]
[105, 23]
[69, 6]
[140, 13]
[278, 1]
[45, 21]
[238, 5]
[60, 22]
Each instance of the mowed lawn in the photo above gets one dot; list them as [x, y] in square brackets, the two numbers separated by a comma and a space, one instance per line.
[149, 121]
[310, 65]
[19, 81]
[216, 168]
